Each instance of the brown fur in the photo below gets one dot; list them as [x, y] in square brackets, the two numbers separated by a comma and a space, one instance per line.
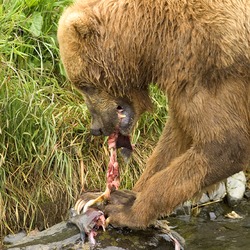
[198, 53]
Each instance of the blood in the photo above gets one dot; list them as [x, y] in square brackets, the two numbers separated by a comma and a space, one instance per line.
[116, 140]
[113, 175]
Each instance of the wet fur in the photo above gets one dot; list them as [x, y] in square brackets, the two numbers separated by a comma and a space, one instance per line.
[198, 53]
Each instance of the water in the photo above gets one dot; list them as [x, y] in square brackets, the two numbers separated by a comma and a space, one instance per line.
[217, 233]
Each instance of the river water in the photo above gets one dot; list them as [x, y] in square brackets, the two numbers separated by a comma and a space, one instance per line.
[211, 230]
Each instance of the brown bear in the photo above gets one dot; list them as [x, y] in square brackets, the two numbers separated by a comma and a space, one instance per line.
[198, 53]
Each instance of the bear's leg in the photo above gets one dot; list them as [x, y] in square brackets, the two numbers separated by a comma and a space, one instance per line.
[173, 141]
[199, 166]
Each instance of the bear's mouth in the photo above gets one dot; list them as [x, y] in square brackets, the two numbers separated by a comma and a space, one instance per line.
[118, 140]
[123, 141]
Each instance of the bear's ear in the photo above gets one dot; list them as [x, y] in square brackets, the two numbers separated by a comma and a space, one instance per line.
[81, 23]
[76, 32]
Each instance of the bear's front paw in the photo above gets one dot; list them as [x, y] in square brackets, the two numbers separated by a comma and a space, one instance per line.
[121, 211]
[120, 216]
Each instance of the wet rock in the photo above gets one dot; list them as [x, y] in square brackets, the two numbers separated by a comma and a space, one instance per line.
[66, 236]
[14, 238]
[212, 215]
[53, 238]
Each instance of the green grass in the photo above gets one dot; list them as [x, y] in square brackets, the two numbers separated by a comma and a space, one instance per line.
[39, 119]
[44, 124]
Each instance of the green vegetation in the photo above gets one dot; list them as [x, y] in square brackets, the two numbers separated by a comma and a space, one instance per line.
[44, 124]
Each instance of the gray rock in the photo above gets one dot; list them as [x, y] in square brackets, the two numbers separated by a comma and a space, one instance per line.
[13, 238]
[236, 187]
[65, 236]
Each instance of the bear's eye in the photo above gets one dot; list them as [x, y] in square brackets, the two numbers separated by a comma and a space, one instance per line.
[119, 108]
[88, 89]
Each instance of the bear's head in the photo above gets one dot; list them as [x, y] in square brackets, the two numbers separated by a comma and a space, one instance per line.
[109, 110]
[101, 66]
[104, 108]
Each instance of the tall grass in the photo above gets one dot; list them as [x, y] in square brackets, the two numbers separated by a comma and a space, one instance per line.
[44, 124]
